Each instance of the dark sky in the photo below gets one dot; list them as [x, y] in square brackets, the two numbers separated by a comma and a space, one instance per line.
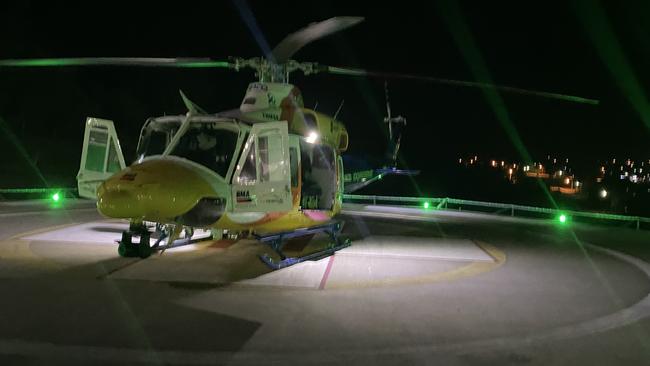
[536, 45]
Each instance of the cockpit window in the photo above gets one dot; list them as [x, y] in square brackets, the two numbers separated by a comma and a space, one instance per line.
[209, 145]
[249, 100]
[156, 136]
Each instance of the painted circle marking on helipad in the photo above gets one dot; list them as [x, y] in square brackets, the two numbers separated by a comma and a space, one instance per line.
[468, 270]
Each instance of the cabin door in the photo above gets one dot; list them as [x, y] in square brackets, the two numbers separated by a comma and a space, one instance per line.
[101, 156]
[262, 179]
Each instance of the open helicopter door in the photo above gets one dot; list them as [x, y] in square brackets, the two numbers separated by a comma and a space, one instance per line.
[101, 156]
[262, 181]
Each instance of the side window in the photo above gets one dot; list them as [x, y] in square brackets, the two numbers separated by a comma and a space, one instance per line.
[264, 158]
[96, 150]
[293, 158]
[113, 159]
[271, 159]
[248, 173]
[310, 121]
[323, 157]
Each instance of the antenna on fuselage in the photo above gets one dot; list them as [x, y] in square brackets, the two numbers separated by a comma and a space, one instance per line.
[339, 109]
[191, 106]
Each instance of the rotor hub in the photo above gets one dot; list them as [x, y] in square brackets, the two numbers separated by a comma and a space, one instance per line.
[272, 72]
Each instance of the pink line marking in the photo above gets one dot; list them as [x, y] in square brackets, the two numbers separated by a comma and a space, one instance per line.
[326, 275]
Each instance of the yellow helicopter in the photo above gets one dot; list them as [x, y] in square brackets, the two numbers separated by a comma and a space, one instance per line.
[270, 167]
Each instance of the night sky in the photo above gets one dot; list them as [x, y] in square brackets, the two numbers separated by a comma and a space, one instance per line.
[541, 46]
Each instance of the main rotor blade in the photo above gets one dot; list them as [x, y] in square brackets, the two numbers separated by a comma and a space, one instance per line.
[295, 41]
[472, 84]
[117, 61]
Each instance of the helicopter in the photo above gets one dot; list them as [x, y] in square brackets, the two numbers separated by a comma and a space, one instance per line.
[271, 167]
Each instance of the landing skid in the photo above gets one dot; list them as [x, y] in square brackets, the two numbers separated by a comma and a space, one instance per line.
[278, 240]
[143, 249]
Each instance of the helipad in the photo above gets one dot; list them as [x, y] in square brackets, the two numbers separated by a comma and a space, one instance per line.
[459, 288]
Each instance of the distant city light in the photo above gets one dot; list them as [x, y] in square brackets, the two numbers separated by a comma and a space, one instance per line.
[560, 174]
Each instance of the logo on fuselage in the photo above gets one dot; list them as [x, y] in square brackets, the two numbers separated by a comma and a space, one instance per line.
[271, 99]
[128, 176]
[243, 196]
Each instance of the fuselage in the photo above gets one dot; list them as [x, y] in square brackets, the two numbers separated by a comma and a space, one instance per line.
[271, 165]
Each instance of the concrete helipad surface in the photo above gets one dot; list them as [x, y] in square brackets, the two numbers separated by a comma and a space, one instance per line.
[414, 288]
[416, 247]
[100, 232]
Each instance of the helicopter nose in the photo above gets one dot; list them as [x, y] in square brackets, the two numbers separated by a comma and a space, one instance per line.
[161, 190]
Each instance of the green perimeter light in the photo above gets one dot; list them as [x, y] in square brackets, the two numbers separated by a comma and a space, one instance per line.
[426, 205]
[562, 218]
[56, 197]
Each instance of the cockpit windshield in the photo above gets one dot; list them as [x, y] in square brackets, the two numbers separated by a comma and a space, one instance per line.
[209, 144]
[155, 137]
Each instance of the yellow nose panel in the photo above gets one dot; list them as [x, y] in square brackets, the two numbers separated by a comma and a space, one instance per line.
[155, 190]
